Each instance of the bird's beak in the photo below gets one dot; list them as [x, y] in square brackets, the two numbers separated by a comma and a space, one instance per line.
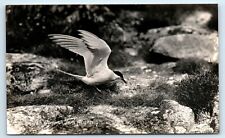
[124, 81]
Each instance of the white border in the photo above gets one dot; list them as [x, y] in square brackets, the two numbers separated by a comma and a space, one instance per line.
[16, 2]
[54, 2]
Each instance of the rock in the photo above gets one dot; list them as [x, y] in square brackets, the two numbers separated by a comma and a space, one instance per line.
[197, 18]
[201, 129]
[153, 35]
[25, 78]
[131, 51]
[34, 119]
[25, 74]
[188, 46]
[177, 118]
[119, 119]
[32, 74]
[85, 124]
[171, 117]
[135, 120]
[179, 130]
[178, 29]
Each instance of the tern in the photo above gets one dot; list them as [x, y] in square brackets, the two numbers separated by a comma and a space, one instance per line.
[95, 52]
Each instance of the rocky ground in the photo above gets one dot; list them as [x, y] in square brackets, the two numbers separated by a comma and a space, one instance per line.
[172, 75]
[44, 101]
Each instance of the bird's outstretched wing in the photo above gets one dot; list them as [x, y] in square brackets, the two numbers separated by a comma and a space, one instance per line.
[94, 50]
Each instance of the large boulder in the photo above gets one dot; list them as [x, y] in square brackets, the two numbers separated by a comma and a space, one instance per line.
[25, 73]
[34, 119]
[177, 118]
[31, 74]
[188, 46]
[154, 35]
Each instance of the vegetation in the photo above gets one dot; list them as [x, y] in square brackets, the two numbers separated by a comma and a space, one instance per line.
[193, 66]
[198, 92]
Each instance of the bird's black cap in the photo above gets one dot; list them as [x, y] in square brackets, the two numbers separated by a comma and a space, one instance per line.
[121, 75]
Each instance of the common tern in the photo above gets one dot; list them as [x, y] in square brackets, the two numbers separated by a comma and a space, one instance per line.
[95, 52]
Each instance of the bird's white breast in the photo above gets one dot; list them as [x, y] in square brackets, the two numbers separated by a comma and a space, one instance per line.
[103, 76]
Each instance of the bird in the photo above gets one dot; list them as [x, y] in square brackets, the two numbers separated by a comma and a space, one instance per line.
[95, 52]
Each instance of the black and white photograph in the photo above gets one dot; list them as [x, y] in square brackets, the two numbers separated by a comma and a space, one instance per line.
[101, 69]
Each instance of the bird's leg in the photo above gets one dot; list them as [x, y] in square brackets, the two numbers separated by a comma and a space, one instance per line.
[76, 76]
[97, 89]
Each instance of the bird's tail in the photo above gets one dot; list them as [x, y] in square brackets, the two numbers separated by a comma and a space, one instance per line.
[78, 77]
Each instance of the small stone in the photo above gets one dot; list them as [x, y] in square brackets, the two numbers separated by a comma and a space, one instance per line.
[131, 51]
[201, 128]
[46, 91]
[179, 130]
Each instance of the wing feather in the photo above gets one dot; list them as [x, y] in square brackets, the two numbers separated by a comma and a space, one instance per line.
[94, 50]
